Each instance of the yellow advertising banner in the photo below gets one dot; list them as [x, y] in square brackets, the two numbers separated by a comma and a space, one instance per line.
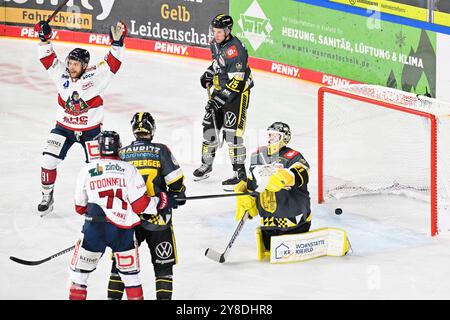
[71, 20]
[442, 18]
[390, 7]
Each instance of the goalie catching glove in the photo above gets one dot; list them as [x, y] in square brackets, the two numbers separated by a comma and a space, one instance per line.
[281, 179]
[272, 179]
[244, 203]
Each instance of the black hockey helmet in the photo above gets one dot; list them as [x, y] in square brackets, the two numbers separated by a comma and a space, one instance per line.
[143, 123]
[222, 21]
[108, 143]
[79, 54]
[284, 131]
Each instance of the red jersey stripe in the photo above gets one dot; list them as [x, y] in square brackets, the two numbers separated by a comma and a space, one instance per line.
[113, 63]
[48, 60]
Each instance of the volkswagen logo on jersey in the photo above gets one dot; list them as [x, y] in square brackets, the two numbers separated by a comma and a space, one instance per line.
[164, 250]
[66, 84]
[230, 119]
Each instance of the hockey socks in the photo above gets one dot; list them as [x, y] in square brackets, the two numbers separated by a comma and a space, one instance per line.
[48, 178]
[116, 287]
[77, 292]
[164, 287]
[134, 293]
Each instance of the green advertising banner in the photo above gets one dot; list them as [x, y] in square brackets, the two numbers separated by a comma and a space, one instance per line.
[350, 46]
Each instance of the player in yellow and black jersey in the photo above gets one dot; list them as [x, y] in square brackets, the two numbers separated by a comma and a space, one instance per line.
[162, 174]
[280, 178]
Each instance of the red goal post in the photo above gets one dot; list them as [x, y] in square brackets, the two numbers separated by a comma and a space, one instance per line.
[366, 96]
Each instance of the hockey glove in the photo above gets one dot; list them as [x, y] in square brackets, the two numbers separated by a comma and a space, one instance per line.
[166, 202]
[281, 179]
[206, 79]
[44, 30]
[118, 34]
[213, 106]
[177, 195]
[244, 203]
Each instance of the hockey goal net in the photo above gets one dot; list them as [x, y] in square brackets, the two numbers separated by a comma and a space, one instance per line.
[377, 140]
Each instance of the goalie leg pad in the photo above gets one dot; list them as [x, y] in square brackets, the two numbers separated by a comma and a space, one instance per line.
[305, 246]
[262, 251]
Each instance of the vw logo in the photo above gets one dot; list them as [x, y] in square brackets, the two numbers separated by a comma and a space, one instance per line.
[164, 250]
[230, 119]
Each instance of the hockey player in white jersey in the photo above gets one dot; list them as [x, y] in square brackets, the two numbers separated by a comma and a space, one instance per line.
[110, 193]
[79, 107]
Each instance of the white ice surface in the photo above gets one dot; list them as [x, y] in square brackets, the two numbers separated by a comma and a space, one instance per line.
[394, 256]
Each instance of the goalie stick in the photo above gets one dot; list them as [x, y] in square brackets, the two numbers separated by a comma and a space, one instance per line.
[220, 257]
[37, 262]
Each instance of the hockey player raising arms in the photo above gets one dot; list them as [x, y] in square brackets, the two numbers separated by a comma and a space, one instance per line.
[79, 112]
[280, 178]
[161, 173]
[227, 109]
[110, 193]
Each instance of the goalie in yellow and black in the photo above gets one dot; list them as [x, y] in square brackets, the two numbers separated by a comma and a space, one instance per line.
[280, 178]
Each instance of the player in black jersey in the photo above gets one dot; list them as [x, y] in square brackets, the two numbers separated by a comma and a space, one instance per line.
[280, 177]
[231, 78]
[161, 173]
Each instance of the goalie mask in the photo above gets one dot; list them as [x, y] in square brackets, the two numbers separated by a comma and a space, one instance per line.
[278, 136]
[143, 124]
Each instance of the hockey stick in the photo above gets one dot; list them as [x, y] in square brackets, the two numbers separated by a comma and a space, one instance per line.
[35, 263]
[220, 257]
[57, 11]
[213, 196]
[217, 131]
